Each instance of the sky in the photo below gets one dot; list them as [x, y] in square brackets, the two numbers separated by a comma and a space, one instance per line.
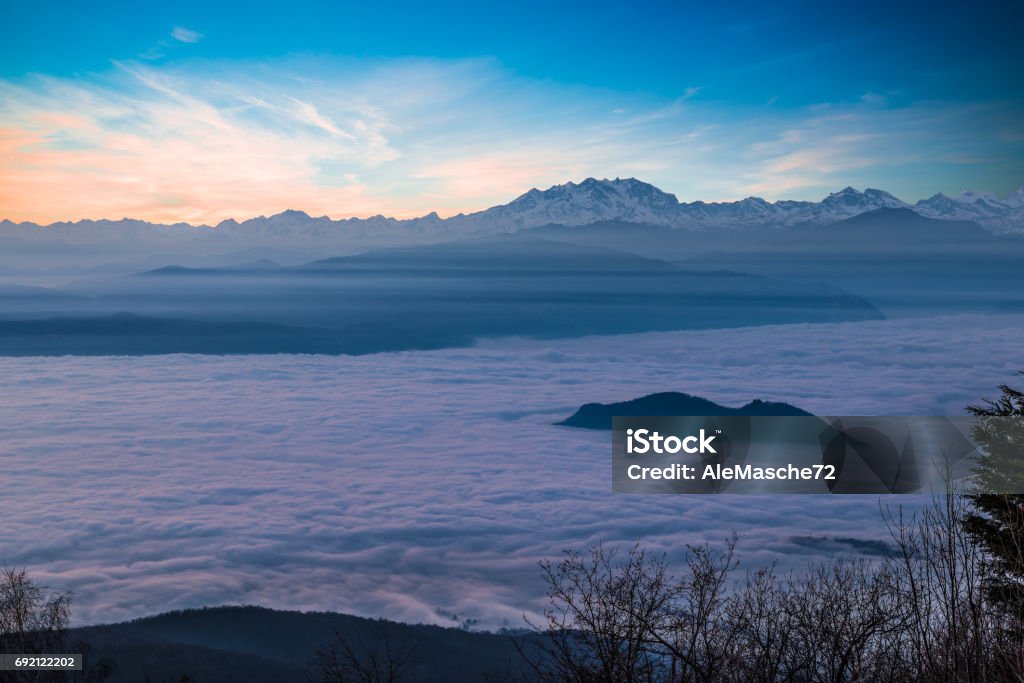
[198, 111]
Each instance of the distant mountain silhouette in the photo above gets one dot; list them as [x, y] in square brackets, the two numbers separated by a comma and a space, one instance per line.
[882, 228]
[427, 297]
[512, 252]
[599, 415]
[11, 293]
[262, 264]
[178, 270]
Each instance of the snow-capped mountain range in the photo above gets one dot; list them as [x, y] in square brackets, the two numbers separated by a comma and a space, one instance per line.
[635, 201]
[572, 204]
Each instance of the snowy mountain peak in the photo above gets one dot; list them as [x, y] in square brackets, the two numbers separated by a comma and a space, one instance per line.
[590, 201]
[870, 197]
[1016, 199]
[605, 191]
[987, 208]
[882, 195]
[975, 196]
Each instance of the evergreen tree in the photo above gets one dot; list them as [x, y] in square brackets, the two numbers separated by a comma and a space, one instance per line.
[997, 520]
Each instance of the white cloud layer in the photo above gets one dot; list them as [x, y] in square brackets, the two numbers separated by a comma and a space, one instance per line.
[394, 484]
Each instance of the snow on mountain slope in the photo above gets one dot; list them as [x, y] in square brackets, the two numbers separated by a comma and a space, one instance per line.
[634, 201]
[623, 200]
[592, 200]
[1001, 215]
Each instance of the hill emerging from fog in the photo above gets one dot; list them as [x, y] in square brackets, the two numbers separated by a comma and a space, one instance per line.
[599, 415]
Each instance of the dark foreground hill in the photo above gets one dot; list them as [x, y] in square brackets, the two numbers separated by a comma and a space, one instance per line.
[254, 644]
[599, 415]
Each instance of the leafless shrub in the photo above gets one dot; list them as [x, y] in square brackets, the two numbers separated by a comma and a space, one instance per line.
[921, 613]
[382, 661]
[32, 621]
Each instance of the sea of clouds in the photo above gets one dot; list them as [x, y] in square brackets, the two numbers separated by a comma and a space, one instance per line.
[422, 485]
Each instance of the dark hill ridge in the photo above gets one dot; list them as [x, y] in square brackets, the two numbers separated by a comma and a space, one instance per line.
[127, 334]
[599, 415]
[228, 644]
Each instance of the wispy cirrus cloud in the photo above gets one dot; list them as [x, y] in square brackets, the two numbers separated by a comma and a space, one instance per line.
[178, 34]
[186, 35]
[204, 142]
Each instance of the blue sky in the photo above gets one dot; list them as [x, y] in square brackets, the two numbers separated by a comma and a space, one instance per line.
[197, 111]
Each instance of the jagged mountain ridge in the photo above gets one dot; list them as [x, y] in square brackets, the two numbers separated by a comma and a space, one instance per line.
[571, 204]
[634, 201]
